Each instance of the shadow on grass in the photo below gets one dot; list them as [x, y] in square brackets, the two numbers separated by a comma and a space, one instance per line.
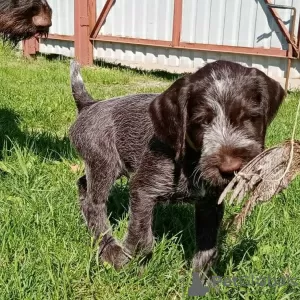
[42, 144]
[170, 220]
[55, 57]
[156, 73]
[243, 251]
[118, 201]
[178, 219]
[161, 74]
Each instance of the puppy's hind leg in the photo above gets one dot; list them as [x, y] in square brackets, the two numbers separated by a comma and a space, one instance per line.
[100, 176]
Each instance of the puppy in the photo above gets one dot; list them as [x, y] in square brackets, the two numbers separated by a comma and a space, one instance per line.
[181, 145]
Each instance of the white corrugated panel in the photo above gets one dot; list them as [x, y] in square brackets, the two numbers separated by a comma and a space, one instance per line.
[246, 23]
[139, 19]
[63, 17]
[176, 60]
[64, 48]
[62, 23]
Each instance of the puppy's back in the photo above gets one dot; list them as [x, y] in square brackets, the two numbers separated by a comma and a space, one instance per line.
[121, 123]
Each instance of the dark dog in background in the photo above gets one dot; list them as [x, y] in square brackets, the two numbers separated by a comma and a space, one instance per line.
[23, 19]
[182, 145]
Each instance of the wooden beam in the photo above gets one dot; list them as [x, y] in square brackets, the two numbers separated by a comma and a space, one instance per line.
[30, 46]
[282, 26]
[101, 19]
[92, 11]
[177, 22]
[61, 37]
[83, 45]
[272, 52]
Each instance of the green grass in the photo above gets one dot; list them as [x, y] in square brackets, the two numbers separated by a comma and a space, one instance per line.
[45, 248]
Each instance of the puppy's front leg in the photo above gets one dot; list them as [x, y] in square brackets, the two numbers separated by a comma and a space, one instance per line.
[154, 179]
[208, 217]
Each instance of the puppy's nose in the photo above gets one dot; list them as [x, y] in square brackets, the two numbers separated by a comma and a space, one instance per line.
[42, 21]
[230, 165]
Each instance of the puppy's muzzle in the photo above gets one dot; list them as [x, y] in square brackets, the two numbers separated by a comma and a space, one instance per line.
[229, 166]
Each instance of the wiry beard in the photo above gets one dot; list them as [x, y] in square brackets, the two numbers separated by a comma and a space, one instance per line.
[14, 39]
[14, 32]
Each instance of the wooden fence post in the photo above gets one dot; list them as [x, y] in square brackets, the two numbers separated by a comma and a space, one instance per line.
[177, 22]
[30, 46]
[85, 18]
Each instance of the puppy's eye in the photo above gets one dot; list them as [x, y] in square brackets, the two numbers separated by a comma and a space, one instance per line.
[203, 119]
[207, 120]
[251, 118]
[255, 117]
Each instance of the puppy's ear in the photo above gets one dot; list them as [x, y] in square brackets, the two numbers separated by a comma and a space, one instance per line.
[272, 94]
[168, 113]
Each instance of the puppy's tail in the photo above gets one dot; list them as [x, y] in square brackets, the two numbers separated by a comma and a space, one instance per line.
[81, 96]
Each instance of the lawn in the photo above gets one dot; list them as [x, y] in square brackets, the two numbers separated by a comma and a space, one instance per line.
[45, 249]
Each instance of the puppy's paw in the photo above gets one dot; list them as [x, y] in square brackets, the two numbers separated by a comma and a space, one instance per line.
[114, 254]
[143, 247]
[202, 262]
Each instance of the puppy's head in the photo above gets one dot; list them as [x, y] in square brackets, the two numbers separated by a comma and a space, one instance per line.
[223, 111]
[23, 19]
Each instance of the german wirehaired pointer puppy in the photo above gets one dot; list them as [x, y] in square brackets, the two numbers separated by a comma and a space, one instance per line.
[23, 19]
[181, 145]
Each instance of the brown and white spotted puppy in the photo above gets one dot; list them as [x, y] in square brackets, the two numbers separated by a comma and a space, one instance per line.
[23, 19]
[181, 145]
